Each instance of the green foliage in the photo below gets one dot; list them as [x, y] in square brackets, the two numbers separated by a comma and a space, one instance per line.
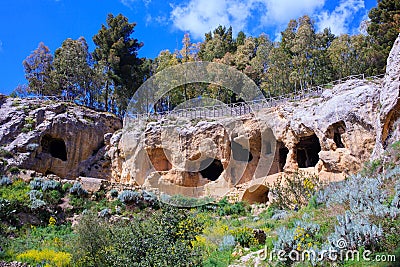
[163, 239]
[38, 67]
[78, 190]
[237, 208]
[5, 153]
[295, 190]
[384, 26]
[244, 236]
[116, 58]
[14, 170]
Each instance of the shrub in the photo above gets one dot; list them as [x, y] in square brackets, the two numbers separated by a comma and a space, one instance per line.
[35, 194]
[105, 213]
[36, 183]
[294, 191]
[163, 238]
[50, 185]
[14, 170]
[46, 256]
[129, 196]
[4, 181]
[78, 190]
[244, 236]
[226, 208]
[114, 193]
[228, 242]
[37, 204]
[5, 153]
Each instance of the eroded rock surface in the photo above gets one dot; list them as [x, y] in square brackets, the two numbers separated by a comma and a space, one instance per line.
[56, 138]
[388, 120]
[331, 135]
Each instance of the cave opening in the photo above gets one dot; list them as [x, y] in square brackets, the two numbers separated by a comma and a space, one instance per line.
[239, 153]
[54, 146]
[259, 194]
[335, 132]
[337, 138]
[283, 151]
[307, 151]
[211, 168]
[159, 159]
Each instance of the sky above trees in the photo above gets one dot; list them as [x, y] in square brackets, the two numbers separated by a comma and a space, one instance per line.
[160, 24]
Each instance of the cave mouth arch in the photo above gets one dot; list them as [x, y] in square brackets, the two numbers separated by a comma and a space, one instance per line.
[211, 168]
[239, 153]
[54, 146]
[256, 194]
[337, 129]
[307, 151]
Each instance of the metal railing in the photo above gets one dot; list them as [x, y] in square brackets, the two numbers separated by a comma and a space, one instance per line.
[234, 109]
[242, 108]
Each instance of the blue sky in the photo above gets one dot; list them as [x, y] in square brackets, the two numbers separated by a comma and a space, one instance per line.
[160, 24]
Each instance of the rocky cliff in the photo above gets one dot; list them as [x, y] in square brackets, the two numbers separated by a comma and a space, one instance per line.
[330, 135]
[55, 138]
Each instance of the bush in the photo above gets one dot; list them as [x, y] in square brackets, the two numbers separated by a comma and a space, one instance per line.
[5, 153]
[163, 238]
[50, 185]
[294, 191]
[35, 194]
[129, 196]
[114, 193]
[226, 208]
[78, 190]
[36, 183]
[244, 236]
[14, 170]
[46, 256]
[4, 181]
[45, 185]
[32, 147]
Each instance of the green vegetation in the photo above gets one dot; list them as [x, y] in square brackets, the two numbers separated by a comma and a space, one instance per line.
[109, 76]
[132, 228]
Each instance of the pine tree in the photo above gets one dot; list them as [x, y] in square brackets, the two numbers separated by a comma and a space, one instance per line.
[38, 67]
[116, 56]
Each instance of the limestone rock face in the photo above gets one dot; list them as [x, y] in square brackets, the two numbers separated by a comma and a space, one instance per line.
[331, 135]
[388, 121]
[56, 138]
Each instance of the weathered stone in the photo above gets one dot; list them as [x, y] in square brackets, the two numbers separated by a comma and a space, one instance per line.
[62, 138]
[324, 135]
[388, 119]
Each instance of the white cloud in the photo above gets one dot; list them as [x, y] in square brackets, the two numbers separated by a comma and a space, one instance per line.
[201, 16]
[129, 3]
[282, 11]
[340, 18]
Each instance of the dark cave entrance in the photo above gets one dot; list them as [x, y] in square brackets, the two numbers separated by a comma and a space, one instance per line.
[307, 151]
[211, 168]
[283, 152]
[54, 146]
[239, 153]
[335, 132]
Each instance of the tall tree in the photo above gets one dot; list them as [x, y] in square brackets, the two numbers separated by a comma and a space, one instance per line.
[116, 54]
[385, 25]
[38, 67]
[72, 70]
